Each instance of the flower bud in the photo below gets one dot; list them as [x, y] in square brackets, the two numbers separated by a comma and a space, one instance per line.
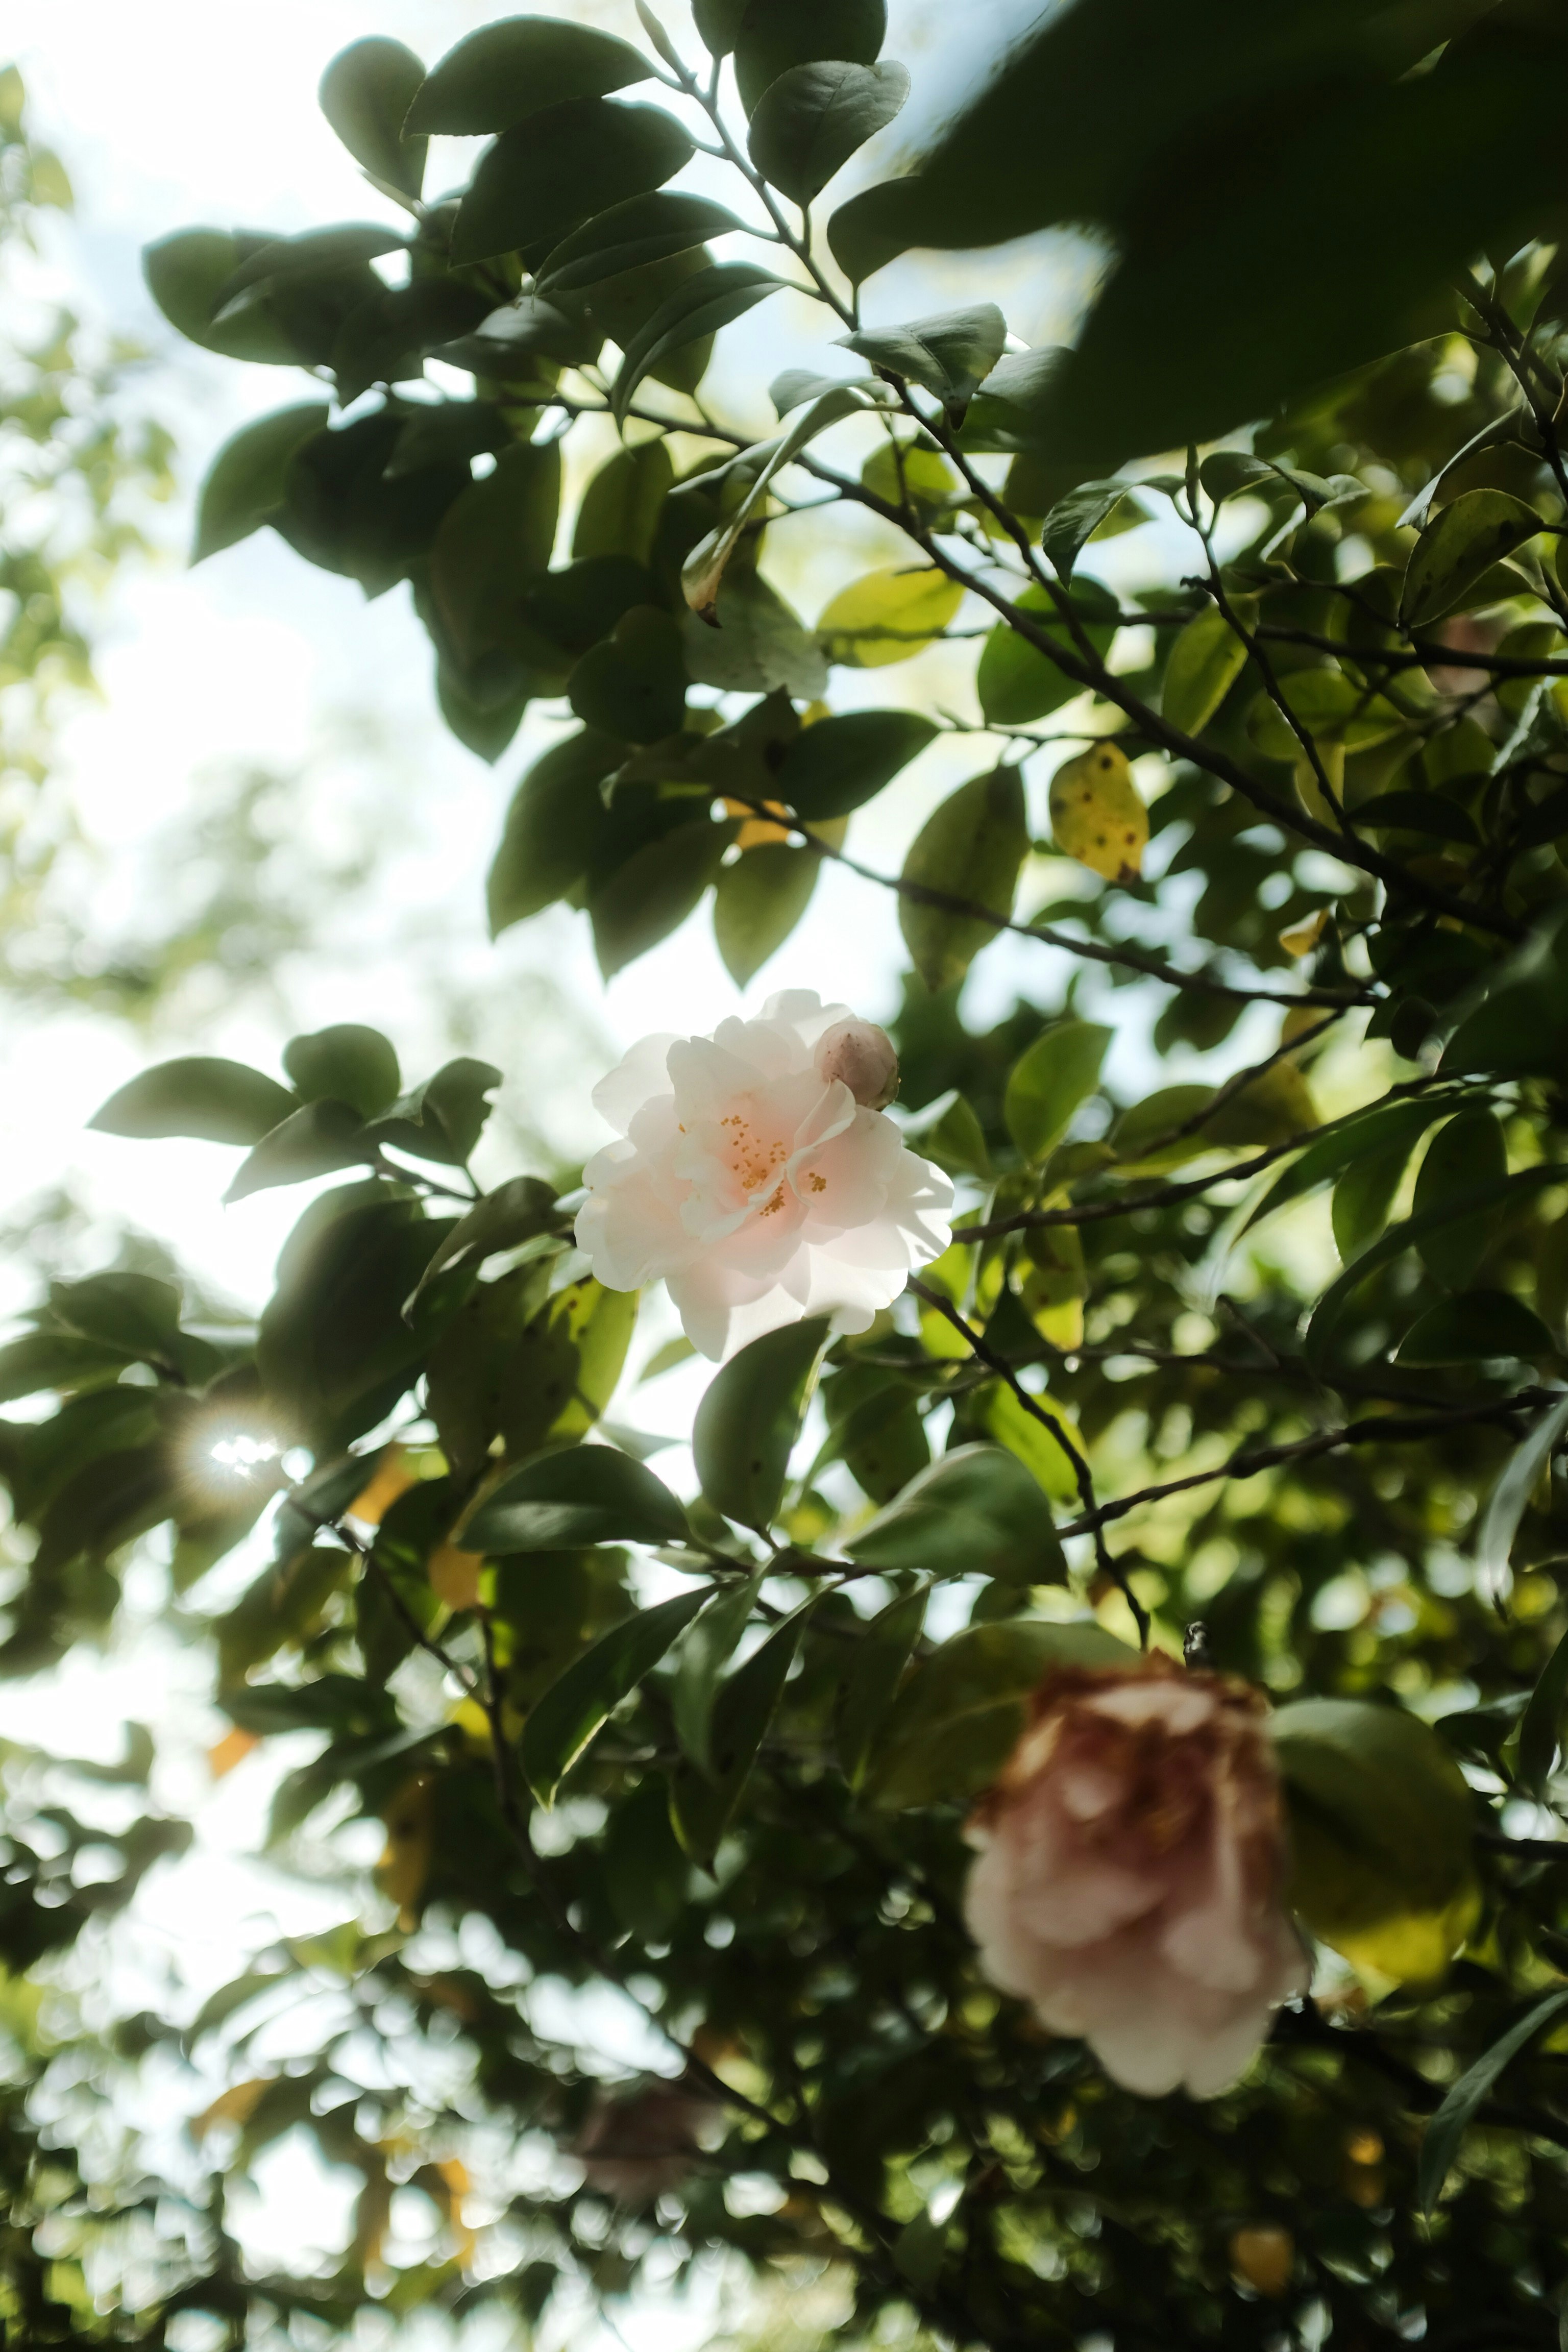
[862, 1056]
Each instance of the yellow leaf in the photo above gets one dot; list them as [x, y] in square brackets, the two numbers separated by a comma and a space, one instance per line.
[1009, 1423]
[455, 1576]
[390, 1478]
[1303, 936]
[1097, 815]
[1265, 2258]
[1414, 1949]
[756, 832]
[404, 1864]
[887, 617]
[231, 1749]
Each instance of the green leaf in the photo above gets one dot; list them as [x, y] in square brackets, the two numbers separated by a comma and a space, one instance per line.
[533, 185]
[949, 1132]
[869, 1684]
[975, 1512]
[1016, 681]
[1541, 1724]
[493, 544]
[702, 1804]
[633, 683]
[215, 1101]
[772, 36]
[1370, 1135]
[812, 119]
[133, 1311]
[699, 307]
[840, 763]
[1478, 1327]
[620, 509]
[1046, 1084]
[749, 1418]
[1461, 543]
[888, 615]
[516, 1212]
[646, 228]
[706, 1649]
[574, 1710]
[1364, 1196]
[1468, 1155]
[355, 1064]
[1073, 522]
[949, 354]
[1327, 1313]
[553, 828]
[654, 891]
[1331, 706]
[647, 1876]
[365, 94]
[579, 1494]
[58, 1361]
[1204, 663]
[758, 646]
[508, 71]
[1440, 2141]
[705, 566]
[443, 1119]
[343, 511]
[1509, 1497]
[758, 901]
[971, 848]
[1380, 1833]
[323, 1135]
[315, 253]
[961, 1713]
[184, 274]
[244, 483]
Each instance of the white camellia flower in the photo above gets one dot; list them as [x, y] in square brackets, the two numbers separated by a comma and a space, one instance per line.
[756, 1174]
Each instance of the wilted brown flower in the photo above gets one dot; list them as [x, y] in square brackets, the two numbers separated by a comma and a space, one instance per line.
[1130, 1872]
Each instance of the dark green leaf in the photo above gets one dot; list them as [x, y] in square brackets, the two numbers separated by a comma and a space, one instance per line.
[1476, 1328]
[545, 175]
[705, 1652]
[184, 274]
[652, 893]
[364, 95]
[133, 1311]
[811, 119]
[758, 901]
[342, 512]
[756, 643]
[772, 36]
[1541, 1726]
[580, 1495]
[553, 828]
[508, 71]
[702, 1804]
[749, 1418]
[59, 1360]
[1368, 1135]
[244, 483]
[1507, 1503]
[1461, 542]
[649, 227]
[574, 1710]
[316, 253]
[870, 1681]
[1073, 522]
[699, 307]
[516, 1212]
[355, 1064]
[1440, 2141]
[493, 544]
[313, 1141]
[949, 354]
[1204, 663]
[970, 848]
[633, 684]
[1016, 682]
[975, 1512]
[841, 762]
[443, 1119]
[1468, 1155]
[620, 507]
[1419, 813]
[217, 1101]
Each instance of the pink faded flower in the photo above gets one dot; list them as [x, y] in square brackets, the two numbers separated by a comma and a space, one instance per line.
[1130, 1871]
[756, 1175]
[642, 2146]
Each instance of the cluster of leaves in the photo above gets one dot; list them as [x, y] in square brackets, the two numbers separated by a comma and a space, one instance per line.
[707, 1749]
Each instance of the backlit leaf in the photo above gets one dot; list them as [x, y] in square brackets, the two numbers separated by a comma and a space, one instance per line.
[749, 1418]
[887, 617]
[1098, 815]
[971, 849]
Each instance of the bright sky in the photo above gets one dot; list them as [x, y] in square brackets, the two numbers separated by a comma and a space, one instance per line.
[180, 111]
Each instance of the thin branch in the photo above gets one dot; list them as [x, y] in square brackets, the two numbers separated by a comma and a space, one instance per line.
[1094, 1517]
